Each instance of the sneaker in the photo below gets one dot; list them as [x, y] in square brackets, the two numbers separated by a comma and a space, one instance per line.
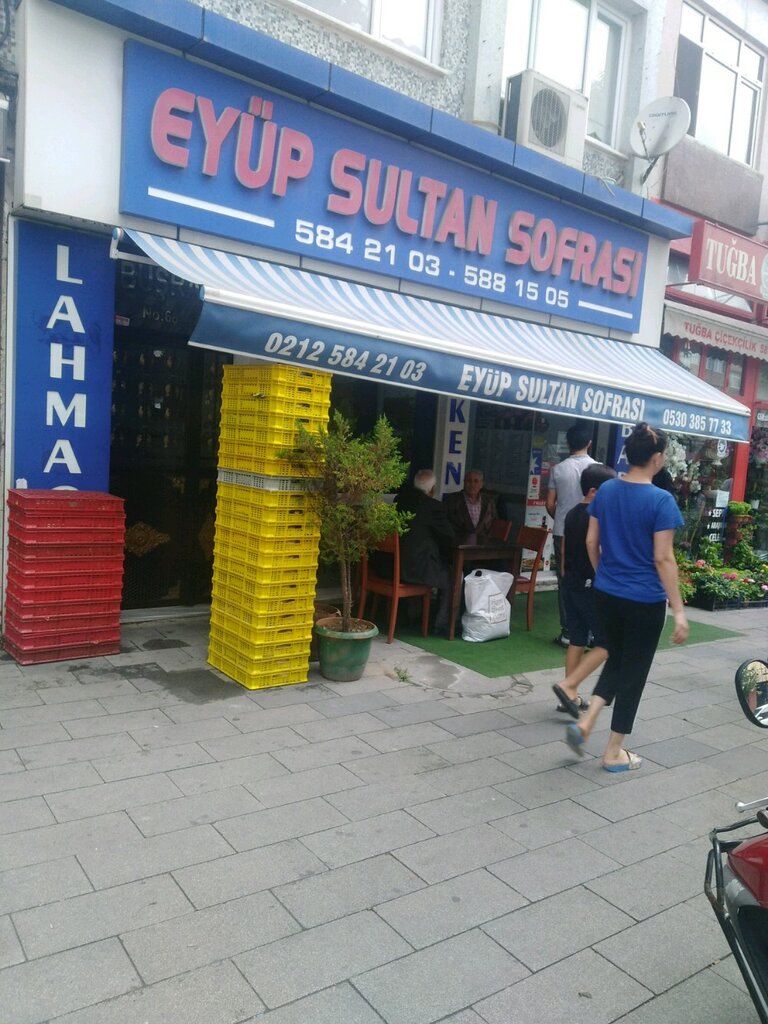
[562, 640]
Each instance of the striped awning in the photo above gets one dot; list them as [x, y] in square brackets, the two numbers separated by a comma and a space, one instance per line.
[269, 311]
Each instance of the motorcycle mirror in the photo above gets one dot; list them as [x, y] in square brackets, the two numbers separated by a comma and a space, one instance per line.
[752, 691]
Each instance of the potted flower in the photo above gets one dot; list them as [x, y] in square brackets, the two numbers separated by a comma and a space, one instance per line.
[349, 478]
[738, 524]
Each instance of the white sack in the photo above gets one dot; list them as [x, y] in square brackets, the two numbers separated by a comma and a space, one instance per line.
[487, 609]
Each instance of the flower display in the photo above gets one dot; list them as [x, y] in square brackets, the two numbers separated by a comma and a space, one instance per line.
[758, 446]
[709, 583]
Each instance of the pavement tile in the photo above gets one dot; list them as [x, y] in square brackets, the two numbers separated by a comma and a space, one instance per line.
[545, 787]
[347, 890]
[99, 915]
[50, 842]
[222, 774]
[709, 717]
[241, 874]
[339, 1004]
[473, 748]
[266, 827]
[201, 809]
[10, 947]
[553, 868]
[114, 863]
[535, 733]
[19, 815]
[380, 797]
[10, 762]
[224, 707]
[632, 796]
[411, 714]
[705, 996]
[449, 908]
[72, 751]
[359, 840]
[40, 781]
[584, 989]
[666, 949]
[335, 728]
[531, 760]
[216, 994]
[312, 960]
[33, 735]
[111, 796]
[458, 778]
[172, 735]
[535, 935]
[109, 686]
[315, 755]
[13, 696]
[481, 721]
[46, 713]
[382, 767]
[35, 992]
[354, 704]
[105, 724]
[149, 762]
[155, 698]
[637, 838]
[41, 883]
[727, 736]
[549, 824]
[256, 719]
[281, 696]
[404, 736]
[434, 860]
[328, 780]
[680, 750]
[439, 980]
[665, 728]
[451, 813]
[250, 743]
[464, 1017]
[202, 937]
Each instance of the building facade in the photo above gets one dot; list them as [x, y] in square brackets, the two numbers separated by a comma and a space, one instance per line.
[338, 185]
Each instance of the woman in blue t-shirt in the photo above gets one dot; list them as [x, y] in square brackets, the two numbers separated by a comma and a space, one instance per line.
[631, 529]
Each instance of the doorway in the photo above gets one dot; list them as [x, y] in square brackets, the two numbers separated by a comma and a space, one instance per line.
[166, 400]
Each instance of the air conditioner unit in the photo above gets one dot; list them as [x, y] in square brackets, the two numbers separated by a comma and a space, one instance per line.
[545, 116]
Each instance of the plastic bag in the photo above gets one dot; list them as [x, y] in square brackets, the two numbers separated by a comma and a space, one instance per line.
[487, 609]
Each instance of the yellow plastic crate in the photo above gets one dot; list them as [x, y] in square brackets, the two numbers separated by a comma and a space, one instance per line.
[251, 405]
[277, 374]
[263, 430]
[278, 507]
[264, 615]
[236, 523]
[239, 453]
[275, 643]
[247, 576]
[280, 672]
[237, 587]
[297, 549]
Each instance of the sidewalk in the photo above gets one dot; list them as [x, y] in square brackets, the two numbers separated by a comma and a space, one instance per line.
[416, 846]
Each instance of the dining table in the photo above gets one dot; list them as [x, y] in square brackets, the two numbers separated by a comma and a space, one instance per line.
[476, 551]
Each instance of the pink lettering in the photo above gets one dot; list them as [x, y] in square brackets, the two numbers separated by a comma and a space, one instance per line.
[166, 125]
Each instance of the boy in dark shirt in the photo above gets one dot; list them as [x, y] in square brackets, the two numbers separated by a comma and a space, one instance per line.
[578, 598]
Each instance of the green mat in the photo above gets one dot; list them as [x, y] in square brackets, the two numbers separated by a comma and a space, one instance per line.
[522, 651]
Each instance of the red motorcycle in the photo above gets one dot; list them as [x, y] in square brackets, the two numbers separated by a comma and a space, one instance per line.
[739, 867]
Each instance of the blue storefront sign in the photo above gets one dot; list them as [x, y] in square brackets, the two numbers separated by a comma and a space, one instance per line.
[62, 359]
[211, 152]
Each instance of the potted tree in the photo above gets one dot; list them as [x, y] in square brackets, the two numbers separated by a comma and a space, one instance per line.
[738, 524]
[349, 477]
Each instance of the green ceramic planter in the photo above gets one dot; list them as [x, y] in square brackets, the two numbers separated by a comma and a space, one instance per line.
[343, 656]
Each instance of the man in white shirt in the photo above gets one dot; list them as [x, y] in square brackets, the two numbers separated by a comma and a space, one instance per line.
[563, 494]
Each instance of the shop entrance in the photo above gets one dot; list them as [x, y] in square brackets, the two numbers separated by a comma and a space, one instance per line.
[165, 413]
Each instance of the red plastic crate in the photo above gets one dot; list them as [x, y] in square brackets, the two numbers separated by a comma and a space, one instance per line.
[59, 637]
[84, 533]
[76, 502]
[25, 590]
[42, 522]
[76, 613]
[46, 654]
[110, 566]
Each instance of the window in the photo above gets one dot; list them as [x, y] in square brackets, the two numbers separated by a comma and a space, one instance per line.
[584, 53]
[720, 77]
[409, 24]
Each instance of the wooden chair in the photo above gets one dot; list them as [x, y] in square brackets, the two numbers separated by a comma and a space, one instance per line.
[534, 538]
[501, 529]
[392, 588]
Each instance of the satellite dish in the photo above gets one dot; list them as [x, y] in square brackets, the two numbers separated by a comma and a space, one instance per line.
[658, 128]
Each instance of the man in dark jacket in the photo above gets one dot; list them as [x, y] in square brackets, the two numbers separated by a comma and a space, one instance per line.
[426, 549]
[471, 510]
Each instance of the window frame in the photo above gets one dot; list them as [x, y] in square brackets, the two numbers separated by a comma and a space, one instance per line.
[741, 79]
[372, 34]
[596, 9]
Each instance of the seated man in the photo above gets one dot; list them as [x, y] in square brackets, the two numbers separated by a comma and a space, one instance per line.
[471, 510]
[426, 548]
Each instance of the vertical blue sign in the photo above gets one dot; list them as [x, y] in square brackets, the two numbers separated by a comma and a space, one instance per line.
[620, 463]
[65, 283]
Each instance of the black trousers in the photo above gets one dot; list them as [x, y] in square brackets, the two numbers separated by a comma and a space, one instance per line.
[631, 630]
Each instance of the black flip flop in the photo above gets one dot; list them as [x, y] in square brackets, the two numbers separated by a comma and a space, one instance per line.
[573, 709]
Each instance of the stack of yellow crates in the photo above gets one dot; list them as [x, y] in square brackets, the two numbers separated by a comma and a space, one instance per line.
[267, 533]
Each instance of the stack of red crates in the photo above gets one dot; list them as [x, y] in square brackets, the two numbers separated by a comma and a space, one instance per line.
[65, 575]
